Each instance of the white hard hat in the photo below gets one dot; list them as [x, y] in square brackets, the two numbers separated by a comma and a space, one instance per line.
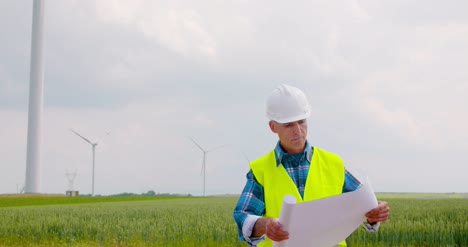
[287, 104]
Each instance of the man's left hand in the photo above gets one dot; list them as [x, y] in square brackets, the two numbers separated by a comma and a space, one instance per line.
[378, 214]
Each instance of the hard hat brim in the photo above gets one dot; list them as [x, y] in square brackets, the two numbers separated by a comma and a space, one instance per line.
[292, 119]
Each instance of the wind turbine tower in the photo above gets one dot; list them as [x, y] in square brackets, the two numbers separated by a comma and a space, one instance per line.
[93, 147]
[36, 101]
[204, 160]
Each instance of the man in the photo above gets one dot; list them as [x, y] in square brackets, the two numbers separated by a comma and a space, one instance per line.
[292, 168]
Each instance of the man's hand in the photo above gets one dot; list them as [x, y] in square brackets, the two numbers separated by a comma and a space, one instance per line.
[378, 214]
[272, 228]
[275, 231]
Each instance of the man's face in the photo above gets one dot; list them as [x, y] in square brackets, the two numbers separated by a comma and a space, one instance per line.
[292, 135]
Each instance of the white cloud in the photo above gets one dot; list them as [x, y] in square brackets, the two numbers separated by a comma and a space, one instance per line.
[179, 29]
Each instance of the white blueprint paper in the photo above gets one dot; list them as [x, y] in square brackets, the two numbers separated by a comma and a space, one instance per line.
[325, 222]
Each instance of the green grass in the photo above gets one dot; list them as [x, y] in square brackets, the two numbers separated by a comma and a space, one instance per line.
[200, 221]
[419, 222]
[35, 200]
[163, 222]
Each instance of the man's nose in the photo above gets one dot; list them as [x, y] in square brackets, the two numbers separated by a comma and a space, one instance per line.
[297, 128]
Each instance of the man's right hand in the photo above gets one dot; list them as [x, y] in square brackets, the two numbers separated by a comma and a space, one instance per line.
[271, 227]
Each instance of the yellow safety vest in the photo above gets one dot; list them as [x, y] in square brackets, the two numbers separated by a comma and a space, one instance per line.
[325, 179]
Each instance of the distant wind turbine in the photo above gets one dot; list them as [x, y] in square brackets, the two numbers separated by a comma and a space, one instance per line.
[245, 156]
[93, 147]
[204, 160]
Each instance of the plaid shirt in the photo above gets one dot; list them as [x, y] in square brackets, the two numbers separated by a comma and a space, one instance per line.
[251, 204]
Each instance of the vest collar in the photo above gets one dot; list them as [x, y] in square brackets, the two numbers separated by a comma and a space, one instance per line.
[279, 152]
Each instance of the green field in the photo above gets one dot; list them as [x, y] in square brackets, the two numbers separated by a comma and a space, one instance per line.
[201, 221]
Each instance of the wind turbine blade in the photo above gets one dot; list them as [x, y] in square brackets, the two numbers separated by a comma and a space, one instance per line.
[99, 140]
[82, 137]
[218, 147]
[245, 156]
[201, 170]
[203, 150]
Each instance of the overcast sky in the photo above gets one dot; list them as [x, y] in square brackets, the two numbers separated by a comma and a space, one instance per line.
[387, 80]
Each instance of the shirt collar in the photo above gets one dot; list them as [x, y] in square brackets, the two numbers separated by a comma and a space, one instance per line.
[279, 152]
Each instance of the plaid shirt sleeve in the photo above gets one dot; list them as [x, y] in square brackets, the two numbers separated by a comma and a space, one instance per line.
[352, 184]
[249, 208]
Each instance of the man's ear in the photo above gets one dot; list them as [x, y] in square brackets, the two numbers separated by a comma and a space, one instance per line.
[272, 127]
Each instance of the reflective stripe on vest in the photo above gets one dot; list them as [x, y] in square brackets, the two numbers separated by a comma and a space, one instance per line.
[325, 179]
